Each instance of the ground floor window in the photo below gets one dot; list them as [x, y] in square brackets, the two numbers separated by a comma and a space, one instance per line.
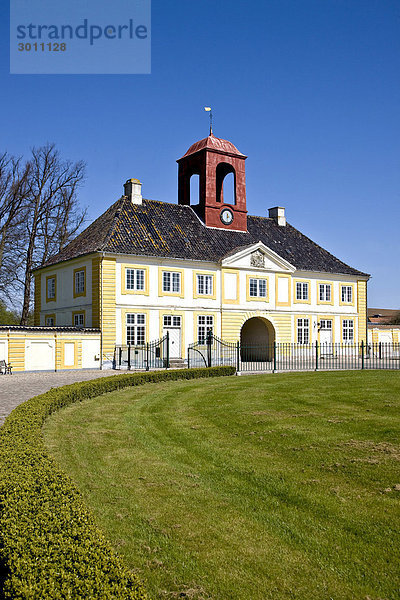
[348, 331]
[50, 321]
[172, 321]
[325, 324]
[205, 324]
[303, 331]
[135, 329]
[79, 319]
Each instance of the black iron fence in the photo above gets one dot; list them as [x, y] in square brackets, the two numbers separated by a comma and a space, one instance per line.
[153, 355]
[292, 356]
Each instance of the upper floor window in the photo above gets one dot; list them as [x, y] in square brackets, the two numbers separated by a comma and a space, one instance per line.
[347, 293]
[257, 288]
[205, 326]
[79, 282]
[135, 329]
[171, 282]
[301, 290]
[348, 330]
[325, 292]
[205, 285]
[303, 331]
[51, 288]
[135, 279]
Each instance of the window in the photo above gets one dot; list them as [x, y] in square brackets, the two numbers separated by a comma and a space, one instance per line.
[79, 319]
[171, 321]
[50, 321]
[348, 330]
[51, 288]
[325, 292]
[347, 293]
[79, 277]
[301, 290]
[257, 288]
[135, 329]
[171, 282]
[205, 324]
[303, 331]
[205, 285]
[325, 324]
[135, 279]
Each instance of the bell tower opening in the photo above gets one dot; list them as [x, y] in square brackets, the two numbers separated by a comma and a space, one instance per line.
[222, 183]
[226, 184]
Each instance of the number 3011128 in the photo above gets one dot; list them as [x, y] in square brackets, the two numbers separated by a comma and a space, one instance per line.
[42, 47]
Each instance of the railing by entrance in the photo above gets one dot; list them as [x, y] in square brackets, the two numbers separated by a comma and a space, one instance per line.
[153, 355]
[292, 356]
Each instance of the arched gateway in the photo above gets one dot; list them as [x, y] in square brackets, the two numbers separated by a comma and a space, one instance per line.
[257, 337]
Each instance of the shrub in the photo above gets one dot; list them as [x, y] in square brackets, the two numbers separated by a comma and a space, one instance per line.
[50, 544]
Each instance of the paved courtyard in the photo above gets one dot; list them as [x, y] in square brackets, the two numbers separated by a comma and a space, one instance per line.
[16, 388]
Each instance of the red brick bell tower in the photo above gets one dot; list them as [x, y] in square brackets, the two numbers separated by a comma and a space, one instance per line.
[212, 159]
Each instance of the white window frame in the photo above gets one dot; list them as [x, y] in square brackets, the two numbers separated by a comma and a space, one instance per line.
[135, 279]
[51, 288]
[205, 284]
[172, 321]
[79, 282]
[135, 329]
[205, 324]
[171, 282]
[257, 288]
[303, 330]
[49, 319]
[347, 294]
[79, 317]
[348, 331]
[325, 292]
[301, 287]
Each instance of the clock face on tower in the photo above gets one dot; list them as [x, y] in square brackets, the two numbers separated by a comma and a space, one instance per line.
[226, 216]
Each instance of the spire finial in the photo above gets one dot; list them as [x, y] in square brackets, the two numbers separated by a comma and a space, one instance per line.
[208, 109]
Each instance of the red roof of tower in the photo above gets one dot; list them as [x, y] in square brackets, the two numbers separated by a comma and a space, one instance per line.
[213, 143]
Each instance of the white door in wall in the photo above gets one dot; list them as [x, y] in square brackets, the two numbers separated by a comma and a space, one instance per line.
[40, 355]
[90, 354]
[172, 325]
[4, 350]
[325, 336]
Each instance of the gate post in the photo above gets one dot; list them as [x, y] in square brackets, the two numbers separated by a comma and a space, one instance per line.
[316, 355]
[147, 356]
[274, 355]
[209, 342]
[167, 367]
[129, 357]
[362, 354]
[237, 356]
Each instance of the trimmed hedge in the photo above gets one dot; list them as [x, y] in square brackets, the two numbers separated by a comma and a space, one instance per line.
[50, 544]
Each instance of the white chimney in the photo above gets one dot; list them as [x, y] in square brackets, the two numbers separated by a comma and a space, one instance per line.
[278, 214]
[133, 189]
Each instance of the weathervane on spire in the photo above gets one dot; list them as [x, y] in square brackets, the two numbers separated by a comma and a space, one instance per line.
[208, 109]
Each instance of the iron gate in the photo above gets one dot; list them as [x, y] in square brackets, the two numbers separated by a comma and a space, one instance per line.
[292, 356]
[153, 355]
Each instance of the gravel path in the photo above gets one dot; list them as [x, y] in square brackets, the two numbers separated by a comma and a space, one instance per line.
[16, 388]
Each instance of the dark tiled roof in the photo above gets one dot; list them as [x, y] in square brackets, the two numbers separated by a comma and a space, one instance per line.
[172, 230]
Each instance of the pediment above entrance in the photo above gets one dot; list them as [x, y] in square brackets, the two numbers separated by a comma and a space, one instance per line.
[257, 256]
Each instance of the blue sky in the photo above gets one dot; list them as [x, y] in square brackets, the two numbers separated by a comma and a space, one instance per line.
[309, 90]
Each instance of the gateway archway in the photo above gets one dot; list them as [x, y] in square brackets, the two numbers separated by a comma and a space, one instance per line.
[257, 337]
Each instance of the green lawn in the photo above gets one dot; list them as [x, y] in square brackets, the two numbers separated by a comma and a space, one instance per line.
[257, 487]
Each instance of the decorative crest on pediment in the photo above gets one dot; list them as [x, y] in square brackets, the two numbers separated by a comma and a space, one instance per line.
[257, 259]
